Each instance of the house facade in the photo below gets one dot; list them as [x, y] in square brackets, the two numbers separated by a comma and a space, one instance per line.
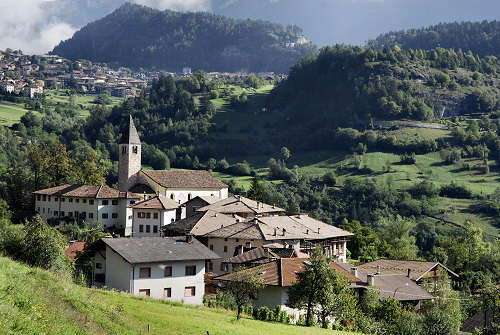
[161, 268]
[150, 215]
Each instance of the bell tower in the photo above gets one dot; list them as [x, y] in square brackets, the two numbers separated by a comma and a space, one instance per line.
[129, 162]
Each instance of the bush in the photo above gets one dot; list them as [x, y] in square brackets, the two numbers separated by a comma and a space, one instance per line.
[423, 189]
[407, 158]
[455, 191]
[438, 322]
[240, 169]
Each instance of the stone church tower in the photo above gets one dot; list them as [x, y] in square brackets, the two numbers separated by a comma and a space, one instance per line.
[129, 162]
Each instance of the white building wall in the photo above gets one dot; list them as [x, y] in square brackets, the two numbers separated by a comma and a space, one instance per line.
[177, 283]
[272, 296]
[47, 208]
[118, 272]
[164, 218]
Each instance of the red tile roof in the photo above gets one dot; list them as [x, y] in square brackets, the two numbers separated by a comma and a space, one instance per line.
[158, 202]
[73, 251]
[87, 191]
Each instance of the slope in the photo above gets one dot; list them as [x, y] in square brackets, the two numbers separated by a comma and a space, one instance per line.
[141, 37]
[34, 301]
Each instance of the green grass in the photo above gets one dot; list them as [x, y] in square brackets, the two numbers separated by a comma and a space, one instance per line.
[55, 97]
[10, 113]
[34, 301]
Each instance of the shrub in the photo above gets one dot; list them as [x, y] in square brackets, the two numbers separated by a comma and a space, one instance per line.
[455, 191]
[407, 158]
[423, 189]
[240, 169]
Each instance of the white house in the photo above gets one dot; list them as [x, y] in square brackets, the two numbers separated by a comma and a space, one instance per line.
[87, 203]
[277, 277]
[150, 215]
[170, 268]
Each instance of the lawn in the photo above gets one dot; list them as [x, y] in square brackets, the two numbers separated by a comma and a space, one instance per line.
[10, 113]
[33, 301]
[55, 97]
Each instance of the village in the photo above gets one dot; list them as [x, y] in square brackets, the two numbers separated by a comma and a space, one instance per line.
[30, 75]
[185, 237]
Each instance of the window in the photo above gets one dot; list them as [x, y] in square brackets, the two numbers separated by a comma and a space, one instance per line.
[70, 200]
[211, 247]
[190, 270]
[155, 215]
[148, 215]
[132, 202]
[76, 214]
[104, 215]
[155, 229]
[223, 267]
[91, 201]
[70, 214]
[145, 273]
[77, 200]
[56, 199]
[210, 266]
[105, 202]
[172, 220]
[55, 213]
[38, 209]
[43, 210]
[130, 217]
[124, 150]
[91, 215]
[167, 293]
[141, 228]
[225, 248]
[63, 200]
[114, 216]
[148, 228]
[83, 215]
[84, 201]
[167, 272]
[38, 197]
[134, 149]
[172, 196]
[49, 198]
[144, 292]
[190, 291]
[61, 213]
[98, 265]
[114, 202]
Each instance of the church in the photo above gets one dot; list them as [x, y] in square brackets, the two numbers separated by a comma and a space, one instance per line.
[118, 209]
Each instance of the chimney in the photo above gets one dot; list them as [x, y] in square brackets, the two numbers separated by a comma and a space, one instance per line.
[354, 271]
[144, 195]
[409, 273]
[274, 231]
[222, 226]
[284, 231]
[378, 270]
[215, 215]
[307, 231]
[318, 230]
[371, 280]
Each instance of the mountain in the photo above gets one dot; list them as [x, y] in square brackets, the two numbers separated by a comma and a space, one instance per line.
[482, 38]
[141, 37]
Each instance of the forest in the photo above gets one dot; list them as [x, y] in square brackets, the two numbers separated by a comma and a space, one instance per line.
[481, 38]
[141, 37]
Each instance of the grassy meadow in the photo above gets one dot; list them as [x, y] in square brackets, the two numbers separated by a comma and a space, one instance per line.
[10, 113]
[34, 301]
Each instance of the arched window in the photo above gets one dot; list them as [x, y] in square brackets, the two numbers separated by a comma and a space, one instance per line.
[134, 149]
[172, 196]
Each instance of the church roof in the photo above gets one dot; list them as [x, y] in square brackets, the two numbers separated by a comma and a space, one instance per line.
[87, 191]
[158, 202]
[184, 179]
[130, 135]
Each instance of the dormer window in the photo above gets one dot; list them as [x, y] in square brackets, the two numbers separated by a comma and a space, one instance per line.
[134, 149]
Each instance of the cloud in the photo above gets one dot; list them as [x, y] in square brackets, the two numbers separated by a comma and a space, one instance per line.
[178, 5]
[29, 26]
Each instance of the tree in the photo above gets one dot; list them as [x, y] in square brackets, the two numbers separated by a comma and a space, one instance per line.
[396, 232]
[88, 169]
[43, 246]
[438, 322]
[321, 290]
[285, 154]
[256, 191]
[244, 286]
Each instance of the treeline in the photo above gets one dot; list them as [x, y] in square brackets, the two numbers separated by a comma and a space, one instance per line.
[141, 37]
[345, 86]
[482, 38]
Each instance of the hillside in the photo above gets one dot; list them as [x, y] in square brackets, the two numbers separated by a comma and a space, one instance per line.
[482, 38]
[34, 301]
[346, 86]
[141, 37]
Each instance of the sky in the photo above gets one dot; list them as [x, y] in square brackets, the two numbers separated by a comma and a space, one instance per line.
[36, 26]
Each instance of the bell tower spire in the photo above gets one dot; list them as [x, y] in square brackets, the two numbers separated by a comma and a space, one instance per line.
[129, 162]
